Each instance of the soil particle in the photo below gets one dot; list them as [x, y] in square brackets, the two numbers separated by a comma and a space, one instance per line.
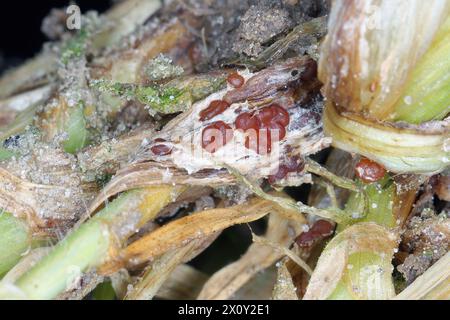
[246, 27]
[259, 25]
[442, 187]
[311, 8]
[221, 27]
[427, 240]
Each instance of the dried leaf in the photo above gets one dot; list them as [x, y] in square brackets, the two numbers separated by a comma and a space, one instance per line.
[178, 233]
[368, 53]
[435, 281]
[161, 269]
[227, 281]
[284, 287]
[285, 251]
[184, 283]
[310, 32]
[147, 174]
[127, 66]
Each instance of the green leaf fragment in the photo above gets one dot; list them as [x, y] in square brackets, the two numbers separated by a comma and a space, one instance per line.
[6, 154]
[164, 100]
[104, 291]
[14, 239]
[427, 94]
[75, 47]
[380, 204]
[367, 276]
[175, 96]
[75, 127]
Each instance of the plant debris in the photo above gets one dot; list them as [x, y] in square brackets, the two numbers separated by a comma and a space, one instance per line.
[230, 149]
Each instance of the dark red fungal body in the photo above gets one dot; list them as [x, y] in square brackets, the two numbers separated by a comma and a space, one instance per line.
[250, 125]
[369, 171]
[215, 108]
[292, 164]
[216, 135]
[161, 149]
[260, 125]
[235, 80]
[273, 114]
[279, 175]
[320, 230]
[246, 121]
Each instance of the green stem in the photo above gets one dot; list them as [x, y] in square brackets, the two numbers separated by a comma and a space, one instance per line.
[364, 270]
[75, 127]
[332, 213]
[90, 245]
[15, 240]
[314, 167]
[104, 291]
[427, 95]
[86, 247]
[380, 209]
[380, 204]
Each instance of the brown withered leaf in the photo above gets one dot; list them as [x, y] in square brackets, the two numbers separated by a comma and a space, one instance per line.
[227, 281]
[184, 283]
[161, 269]
[178, 233]
[284, 287]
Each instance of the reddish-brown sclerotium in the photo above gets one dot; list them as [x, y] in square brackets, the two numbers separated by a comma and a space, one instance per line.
[281, 173]
[235, 80]
[246, 121]
[216, 135]
[273, 114]
[215, 108]
[369, 171]
[262, 124]
[161, 149]
[320, 230]
[291, 164]
[250, 125]
[277, 126]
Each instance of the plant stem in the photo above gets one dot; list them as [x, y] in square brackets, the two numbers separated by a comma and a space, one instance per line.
[364, 269]
[77, 133]
[335, 214]
[94, 242]
[399, 149]
[104, 291]
[14, 239]
[427, 95]
[380, 209]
